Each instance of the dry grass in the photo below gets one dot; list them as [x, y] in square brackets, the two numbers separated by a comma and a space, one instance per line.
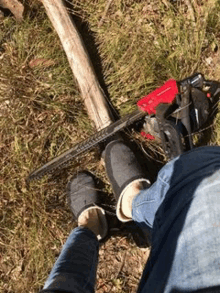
[140, 44]
[125, 265]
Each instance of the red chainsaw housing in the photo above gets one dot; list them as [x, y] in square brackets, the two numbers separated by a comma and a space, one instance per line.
[163, 95]
[147, 135]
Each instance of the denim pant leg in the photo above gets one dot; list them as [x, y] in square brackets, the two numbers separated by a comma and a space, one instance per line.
[75, 268]
[182, 210]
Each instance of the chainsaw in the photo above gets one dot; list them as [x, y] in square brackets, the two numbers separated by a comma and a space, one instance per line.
[171, 113]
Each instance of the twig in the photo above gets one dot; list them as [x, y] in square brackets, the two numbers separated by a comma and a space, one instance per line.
[105, 13]
[144, 151]
[120, 269]
[201, 130]
[191, 11]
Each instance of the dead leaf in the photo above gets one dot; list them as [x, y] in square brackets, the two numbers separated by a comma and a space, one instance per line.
[214, 46]
[41, 62]
[15, 7]
[209, 60]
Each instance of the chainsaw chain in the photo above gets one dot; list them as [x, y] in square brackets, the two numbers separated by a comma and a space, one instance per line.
[64, 159]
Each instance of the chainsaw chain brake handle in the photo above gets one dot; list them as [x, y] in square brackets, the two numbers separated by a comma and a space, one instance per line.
[180, 108]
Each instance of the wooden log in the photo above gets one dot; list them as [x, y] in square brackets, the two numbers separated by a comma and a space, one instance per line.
[95, 102]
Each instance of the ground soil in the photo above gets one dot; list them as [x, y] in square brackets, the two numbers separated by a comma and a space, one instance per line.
[121, 265]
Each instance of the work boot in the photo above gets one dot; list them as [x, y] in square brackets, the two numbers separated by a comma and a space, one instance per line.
[83, 198]
[125, 175]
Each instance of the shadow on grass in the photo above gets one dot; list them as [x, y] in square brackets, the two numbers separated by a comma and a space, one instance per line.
[88, 38]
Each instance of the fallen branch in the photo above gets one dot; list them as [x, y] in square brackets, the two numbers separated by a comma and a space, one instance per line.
[96, 104]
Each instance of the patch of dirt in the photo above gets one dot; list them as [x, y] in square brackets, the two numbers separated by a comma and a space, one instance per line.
[121, 264]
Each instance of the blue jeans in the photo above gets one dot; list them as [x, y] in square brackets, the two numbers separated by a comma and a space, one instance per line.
[182, 212]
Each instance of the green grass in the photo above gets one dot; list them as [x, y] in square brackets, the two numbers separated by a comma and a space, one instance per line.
[139, 45]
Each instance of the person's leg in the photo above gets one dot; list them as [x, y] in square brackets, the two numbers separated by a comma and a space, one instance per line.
[147, 202]
[75, 269]
[182, 209]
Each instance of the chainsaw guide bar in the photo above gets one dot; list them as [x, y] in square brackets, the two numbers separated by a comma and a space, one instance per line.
[64, 159]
